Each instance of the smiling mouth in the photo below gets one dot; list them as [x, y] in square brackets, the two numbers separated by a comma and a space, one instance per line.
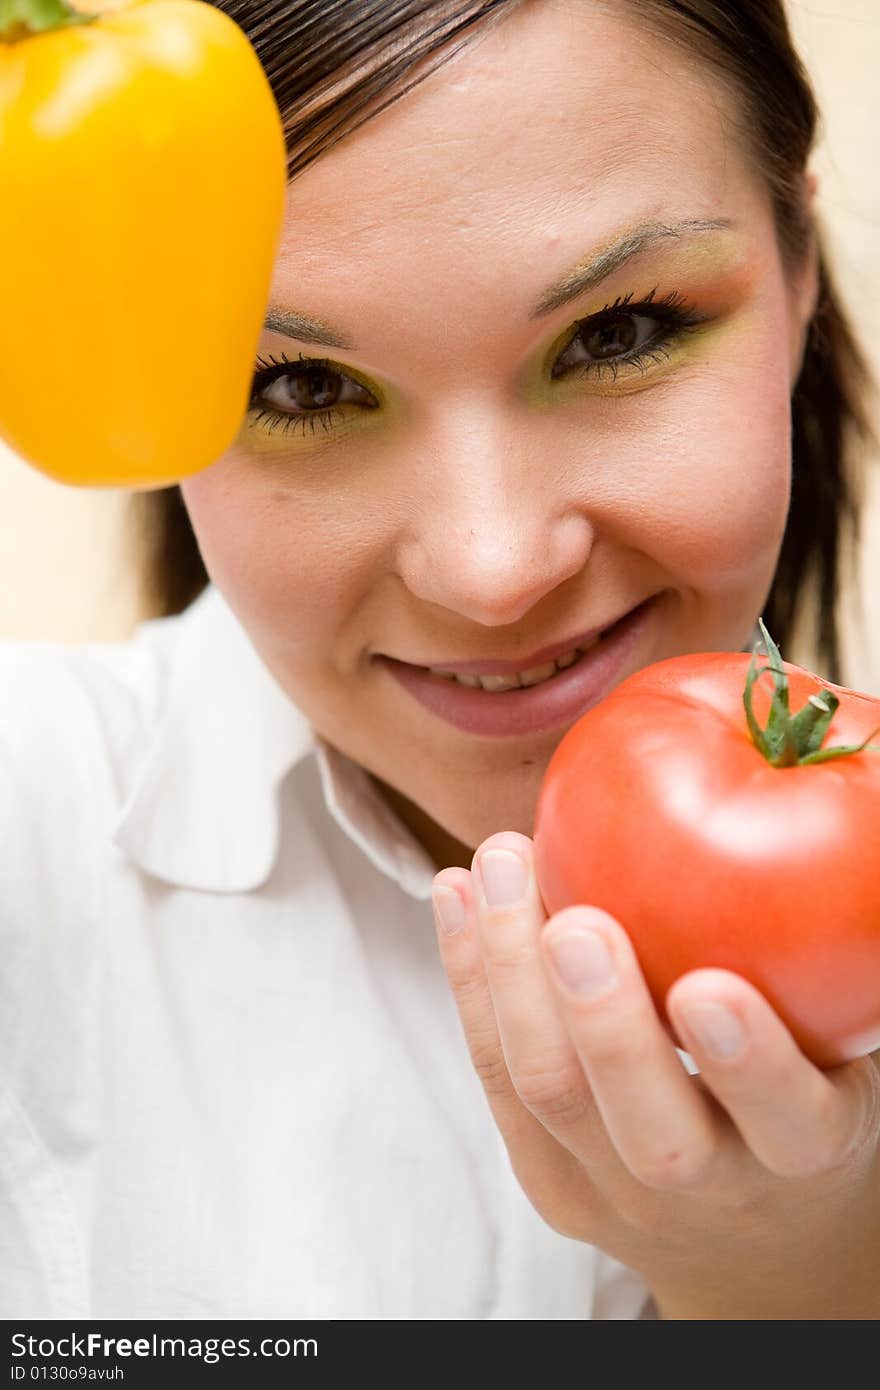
[498, 676]
[500, 706]
[511, 682]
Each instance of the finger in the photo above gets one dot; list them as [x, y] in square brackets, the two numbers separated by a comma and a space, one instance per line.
[663, 1128]
[530, 1146]
[541, 1059]
[796, 1119]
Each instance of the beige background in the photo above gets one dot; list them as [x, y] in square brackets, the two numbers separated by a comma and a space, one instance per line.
[67, 569]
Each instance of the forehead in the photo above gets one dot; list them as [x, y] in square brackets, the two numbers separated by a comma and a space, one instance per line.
[545, 135]
[558, 102]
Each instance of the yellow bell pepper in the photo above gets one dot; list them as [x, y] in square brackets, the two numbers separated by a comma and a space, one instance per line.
[142, 186]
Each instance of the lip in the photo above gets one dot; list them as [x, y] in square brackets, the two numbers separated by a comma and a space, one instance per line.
[533, 709]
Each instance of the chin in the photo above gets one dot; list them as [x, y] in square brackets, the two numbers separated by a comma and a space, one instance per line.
[514, 810]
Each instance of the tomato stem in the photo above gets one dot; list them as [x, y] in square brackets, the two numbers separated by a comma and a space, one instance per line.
[792, 740]
[22, 19]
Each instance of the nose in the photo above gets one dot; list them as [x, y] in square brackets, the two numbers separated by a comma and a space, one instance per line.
[497, 525]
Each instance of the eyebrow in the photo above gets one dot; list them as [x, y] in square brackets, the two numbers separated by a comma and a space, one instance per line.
[586, 275]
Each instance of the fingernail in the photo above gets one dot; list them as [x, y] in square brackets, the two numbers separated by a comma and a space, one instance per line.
[449, 909]
[583, 963]
[504, 876]
[715, 1029]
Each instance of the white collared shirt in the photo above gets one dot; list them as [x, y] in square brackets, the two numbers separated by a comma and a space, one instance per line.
[233, 1082]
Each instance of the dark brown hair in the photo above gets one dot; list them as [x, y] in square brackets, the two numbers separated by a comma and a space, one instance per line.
[331, 63]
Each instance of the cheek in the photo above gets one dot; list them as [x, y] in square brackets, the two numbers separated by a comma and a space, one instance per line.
[717, 470]
[285, 563]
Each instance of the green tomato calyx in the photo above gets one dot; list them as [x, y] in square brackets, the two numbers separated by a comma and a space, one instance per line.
[792, 740]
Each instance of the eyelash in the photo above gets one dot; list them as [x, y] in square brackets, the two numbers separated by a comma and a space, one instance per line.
[675, 314]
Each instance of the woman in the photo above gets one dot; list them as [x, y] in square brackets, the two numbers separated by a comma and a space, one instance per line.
[579, 364]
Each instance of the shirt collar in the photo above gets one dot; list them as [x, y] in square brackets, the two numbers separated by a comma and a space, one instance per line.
[203, 807]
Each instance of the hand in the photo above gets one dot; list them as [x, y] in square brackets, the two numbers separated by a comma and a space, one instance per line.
[751, 1190]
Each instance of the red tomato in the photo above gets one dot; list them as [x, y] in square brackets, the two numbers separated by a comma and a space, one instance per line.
[660, 807]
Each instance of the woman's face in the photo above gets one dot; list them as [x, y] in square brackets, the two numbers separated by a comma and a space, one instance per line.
[468, 479]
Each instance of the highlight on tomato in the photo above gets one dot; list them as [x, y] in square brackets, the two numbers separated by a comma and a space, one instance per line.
[707, 813]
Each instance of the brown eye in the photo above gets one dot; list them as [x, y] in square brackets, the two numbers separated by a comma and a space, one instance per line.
[293, 396]
[307, 386]
[613, 339]
[311, 389]
[628, 333]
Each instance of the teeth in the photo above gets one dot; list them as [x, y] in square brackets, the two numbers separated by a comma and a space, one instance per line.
[534, 676]
[569, 658]
[539, 673]
[499, 683]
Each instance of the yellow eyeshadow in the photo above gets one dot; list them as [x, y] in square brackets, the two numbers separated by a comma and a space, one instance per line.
[635, 377]
[270, 436]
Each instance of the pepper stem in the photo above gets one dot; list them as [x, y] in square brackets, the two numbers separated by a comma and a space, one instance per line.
[22, 19]
[793, 740]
